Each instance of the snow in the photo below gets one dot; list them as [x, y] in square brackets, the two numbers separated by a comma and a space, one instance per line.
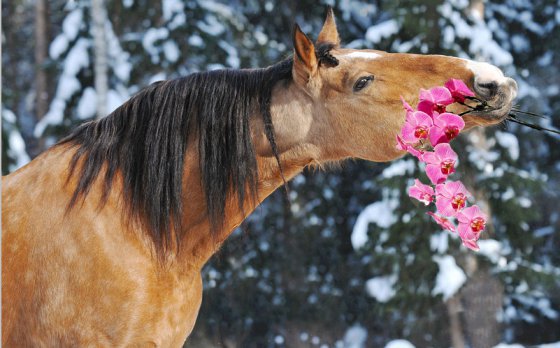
[355, 337]
[171, 7]
[16, 145]
[68, 84]
[399, 344]
[157, 77]
[72, 23]
[114, 100]
[196, 41]
[514, 345]
[399, 168]
[381, 288]
[171, 51]
[149, 40]
[439, 242]
[382, 30]
[380, 213]
[450, 277]
[550, 345]
[58, 46]
[233, 57]
[509, 142]
[87, 105]
[212, 26]
[119, 58]
[490, 248]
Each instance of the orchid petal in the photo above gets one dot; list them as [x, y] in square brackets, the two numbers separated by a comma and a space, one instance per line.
[434, 174]
[471, 244]
[437, 136]
[441, 95]
[445, 152]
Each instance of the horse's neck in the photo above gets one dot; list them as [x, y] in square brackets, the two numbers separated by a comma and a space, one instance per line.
[198, 244]
[291, 119]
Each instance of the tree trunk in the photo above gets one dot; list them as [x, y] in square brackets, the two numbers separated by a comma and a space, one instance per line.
[482, 294]
[99, 17]
[454, 308]
[41, 51]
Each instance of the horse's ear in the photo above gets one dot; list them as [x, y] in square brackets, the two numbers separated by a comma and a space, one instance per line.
[305, 60]
[329, 33]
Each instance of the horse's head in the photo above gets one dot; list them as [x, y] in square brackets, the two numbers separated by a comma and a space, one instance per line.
[352, 97]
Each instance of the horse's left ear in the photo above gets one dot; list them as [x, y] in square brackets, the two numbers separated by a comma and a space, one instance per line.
[305, 59]
[329, 33]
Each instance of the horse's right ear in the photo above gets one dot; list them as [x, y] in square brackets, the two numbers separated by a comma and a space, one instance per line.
[305, 60]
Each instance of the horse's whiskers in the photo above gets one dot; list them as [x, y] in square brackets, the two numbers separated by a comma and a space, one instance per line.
[513, 118]
[515, 109]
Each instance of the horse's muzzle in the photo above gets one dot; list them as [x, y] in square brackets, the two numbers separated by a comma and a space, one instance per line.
[498, 96]
[495, 90]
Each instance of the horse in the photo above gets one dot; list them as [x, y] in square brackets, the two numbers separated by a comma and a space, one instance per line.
[105, 234]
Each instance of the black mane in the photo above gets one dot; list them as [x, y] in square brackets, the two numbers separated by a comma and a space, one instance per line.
[146, 139]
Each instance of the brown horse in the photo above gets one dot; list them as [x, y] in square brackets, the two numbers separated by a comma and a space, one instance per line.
[105, 234]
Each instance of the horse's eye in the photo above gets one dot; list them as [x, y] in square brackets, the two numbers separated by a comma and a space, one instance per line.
[362, 82]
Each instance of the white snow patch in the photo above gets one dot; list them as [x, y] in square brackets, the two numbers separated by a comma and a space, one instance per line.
[114, 100]
[58, 46]
[171, 51]
[150, 37]
[505, 345]
[174, 10]
[399, 168]
[509, 142]
[550, 345]
[381, 288]
[212, 26]
[71, 24]
[380, 213]
[382, 30]
[450, 277]
[157, 77]
[439, 242]
[88, 104]
[355, 337]
[399, 344]
[16, 145]
[119, 58]
[76, 60]
[196, 41]
[233, 57]
[492, 249]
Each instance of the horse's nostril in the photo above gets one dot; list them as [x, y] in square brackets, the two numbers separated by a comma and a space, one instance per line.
[486, 89]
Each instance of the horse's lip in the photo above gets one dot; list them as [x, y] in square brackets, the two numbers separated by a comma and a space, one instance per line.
[494, 114]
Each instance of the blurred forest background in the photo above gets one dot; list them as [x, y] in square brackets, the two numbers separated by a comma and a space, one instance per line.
[350, 260]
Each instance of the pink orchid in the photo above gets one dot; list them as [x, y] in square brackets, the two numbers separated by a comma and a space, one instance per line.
[436, 99]
[471, 244]
[443, 222]
[458, 90]
[446, 128]
[472, 222]
[451, 198]
[440, 163]
[401, 145]
[421, 192]
[416, 127]
[431, 121]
